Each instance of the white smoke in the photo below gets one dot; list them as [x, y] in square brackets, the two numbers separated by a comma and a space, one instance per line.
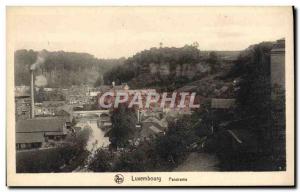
[39, 60]
[40, 81]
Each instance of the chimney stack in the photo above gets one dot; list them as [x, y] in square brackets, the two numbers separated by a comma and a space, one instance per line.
[32, 94]
[138, 116]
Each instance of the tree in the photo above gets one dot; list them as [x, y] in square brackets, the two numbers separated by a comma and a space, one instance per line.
[195, 44]
[254, 96]
[213, 61]
[172, 147]
[102, 161]
[133, 161]
[62, 69]
[99, 81]
[123, 126]
[134, 69]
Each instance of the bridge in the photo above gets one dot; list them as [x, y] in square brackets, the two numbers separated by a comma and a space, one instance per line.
[98, 113]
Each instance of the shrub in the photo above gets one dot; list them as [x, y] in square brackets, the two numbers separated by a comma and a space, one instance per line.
[102, 161]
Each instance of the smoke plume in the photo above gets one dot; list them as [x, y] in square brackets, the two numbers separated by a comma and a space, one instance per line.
[40, 81]
[39, 60]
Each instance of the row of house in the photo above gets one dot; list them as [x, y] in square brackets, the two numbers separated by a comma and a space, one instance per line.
[22, 102]
[48, 108]
[40, 132]
[77, 94]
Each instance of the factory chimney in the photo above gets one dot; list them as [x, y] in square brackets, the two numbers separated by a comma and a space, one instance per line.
[39, 61]
[32, 93]
[138, 124]
[138, 116]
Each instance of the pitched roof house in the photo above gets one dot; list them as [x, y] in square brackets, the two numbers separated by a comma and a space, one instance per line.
[152, 127]
[222, 103]
[32, 133]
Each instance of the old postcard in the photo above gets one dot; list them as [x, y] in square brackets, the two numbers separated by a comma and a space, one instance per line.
[150, 96]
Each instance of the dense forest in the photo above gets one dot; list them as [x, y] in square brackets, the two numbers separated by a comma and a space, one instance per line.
[63, 68]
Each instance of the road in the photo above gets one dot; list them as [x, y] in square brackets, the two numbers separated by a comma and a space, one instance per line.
[199, 162]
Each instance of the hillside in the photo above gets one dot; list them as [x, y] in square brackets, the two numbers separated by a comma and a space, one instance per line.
[168, 68]
[239, 64]
[62, 69]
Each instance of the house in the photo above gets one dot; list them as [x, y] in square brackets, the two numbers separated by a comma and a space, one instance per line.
[22, 105]
[53, 103]
[147, 113]
[22, 102]
[162, 122]
[222, 110]
[22, 91]
[48, 108]
[34, 133]
[187, 88]
[77, 94]
[278, 64]
[152, 127]
[64, 114]
[222, 103]
[29, 140]
[93, 93]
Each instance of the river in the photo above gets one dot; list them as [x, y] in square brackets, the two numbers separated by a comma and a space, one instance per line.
[96, 140]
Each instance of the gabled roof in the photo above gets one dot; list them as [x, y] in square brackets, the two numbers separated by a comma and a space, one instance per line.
[147, 125]
[30, 137]
[48, 124]
[222, 103]
[22, 91]
[151, 128]
[155, 129]
[62, 112]
[187, 88]
[52, 103]
[22, 94]
[162, 123]
[151, 119]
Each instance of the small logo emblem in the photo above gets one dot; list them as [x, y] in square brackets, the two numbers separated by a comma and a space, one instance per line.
[119, 178]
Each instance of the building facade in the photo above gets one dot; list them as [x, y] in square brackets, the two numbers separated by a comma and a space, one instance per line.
[278, 64]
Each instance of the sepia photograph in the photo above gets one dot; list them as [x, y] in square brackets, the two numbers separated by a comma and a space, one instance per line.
[150, 96]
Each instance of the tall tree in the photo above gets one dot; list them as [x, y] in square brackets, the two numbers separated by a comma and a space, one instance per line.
[254, 95]
[213, 61]
[123, 126]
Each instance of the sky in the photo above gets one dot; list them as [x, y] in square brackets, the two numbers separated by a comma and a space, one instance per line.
[113, 32]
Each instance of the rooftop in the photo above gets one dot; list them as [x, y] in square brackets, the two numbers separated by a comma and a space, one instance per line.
[280, 44]
[29, 137]
[45, 124]
[222, 103]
